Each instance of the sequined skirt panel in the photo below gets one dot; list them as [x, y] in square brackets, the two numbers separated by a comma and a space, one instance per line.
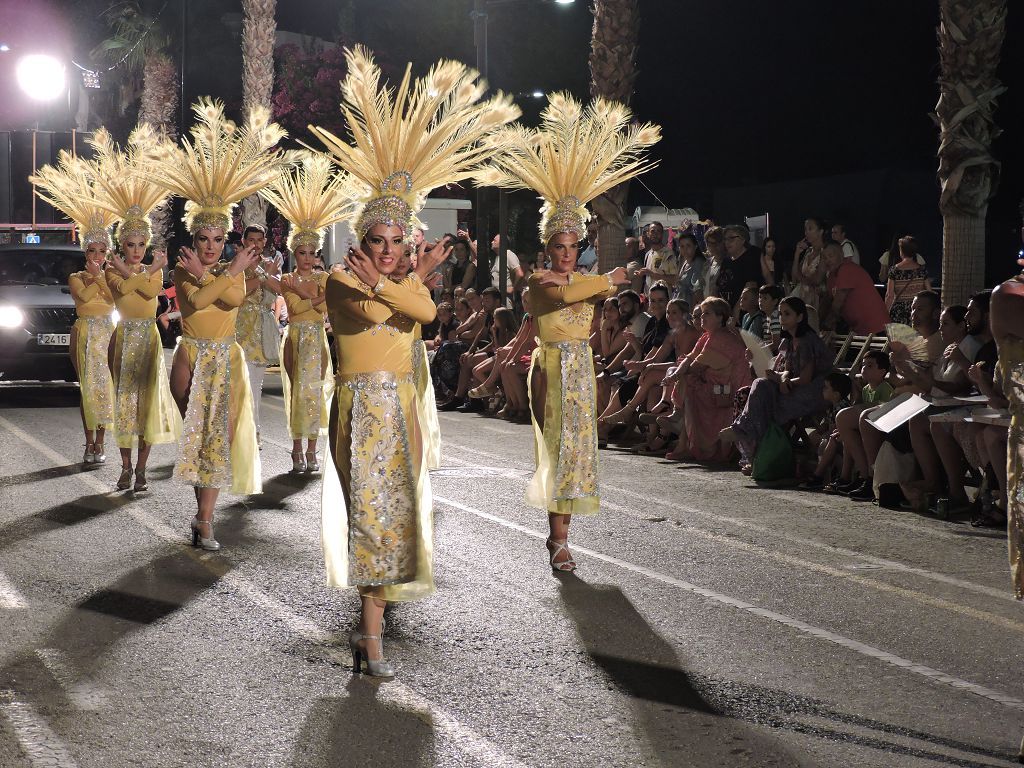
[306, 399]
[143, 406]
[1011, 376]
[565, 481]
[376, 508]
[249, 332]
[92, 342]
[426, 405]
[218, 446]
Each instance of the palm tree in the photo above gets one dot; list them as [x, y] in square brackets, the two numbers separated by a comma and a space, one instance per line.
[970, 38]
[259, 30]
[152, 77]
[612, 75]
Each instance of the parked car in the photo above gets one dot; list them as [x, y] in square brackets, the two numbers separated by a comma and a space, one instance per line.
[37, 311]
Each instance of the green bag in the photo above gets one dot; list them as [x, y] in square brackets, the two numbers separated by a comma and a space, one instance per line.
[774, 457]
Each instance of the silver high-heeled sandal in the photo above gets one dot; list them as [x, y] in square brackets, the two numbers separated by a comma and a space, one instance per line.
[198, 540]
[565, 566]
[374, 667]
[298, 463]
[140, 481]
[87, 457]
[98, 456]
[312, 465]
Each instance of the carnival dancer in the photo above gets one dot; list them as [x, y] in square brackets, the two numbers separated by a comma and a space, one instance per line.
[311, 198]
[256, 327]
[574, 156]
[222, 164]
[69, 187]
[376, 508]
[144, 413]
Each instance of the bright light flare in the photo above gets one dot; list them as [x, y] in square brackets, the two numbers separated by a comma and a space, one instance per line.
[41, 77]
[11, 317]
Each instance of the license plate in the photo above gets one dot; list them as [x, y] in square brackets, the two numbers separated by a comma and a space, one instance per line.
[53, 339]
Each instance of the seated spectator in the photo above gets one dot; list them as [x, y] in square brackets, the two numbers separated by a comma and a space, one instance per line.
[712, 373]
[446, 325]
[445, 367]
[875, 391]
[854, 304]
[991, 446]
[904, 281]
[768, 299]
[504, 331]
[836, 393]
[610, 338]
[690, 286]
[809, 270]
[741, 267]
[752, 319]
[479, 349]
[791, 389]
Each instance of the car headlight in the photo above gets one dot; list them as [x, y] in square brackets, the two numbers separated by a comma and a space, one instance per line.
[11, 317]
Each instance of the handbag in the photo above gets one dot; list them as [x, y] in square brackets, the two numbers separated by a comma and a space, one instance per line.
[774, 457]
[271, 336]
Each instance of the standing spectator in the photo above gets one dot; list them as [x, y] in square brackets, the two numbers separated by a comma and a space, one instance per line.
[886, 259]
[714, 256]
[905, 280]
[771, 265]
[587, 262]
[461, 272]
[660, 262]
[514, 271]
[808, 266]
[849, 249]
[690, 286]
[741, 266]
[855, 304]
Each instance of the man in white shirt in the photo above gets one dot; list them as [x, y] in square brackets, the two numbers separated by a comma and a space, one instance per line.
[660, 262]
[849, 249]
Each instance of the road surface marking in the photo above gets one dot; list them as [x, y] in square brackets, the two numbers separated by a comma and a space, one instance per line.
[780, 618]
[895, 565]
[10, 597]
[464, 737]
[82, 693]
[37, 740]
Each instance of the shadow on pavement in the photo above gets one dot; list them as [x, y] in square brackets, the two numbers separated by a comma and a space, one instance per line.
[68, 513]
[360, 729]
[707, 722]
[50, 473]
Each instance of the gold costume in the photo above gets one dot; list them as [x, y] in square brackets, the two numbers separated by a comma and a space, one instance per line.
[250, 325]
[143, 407]
[219, 446]
[426, 404]
[565, 481]
[90, 340]
[376, 511]
[1010, 375]
[307, 397]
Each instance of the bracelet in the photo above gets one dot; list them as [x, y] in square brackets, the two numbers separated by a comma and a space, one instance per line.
[380, 284]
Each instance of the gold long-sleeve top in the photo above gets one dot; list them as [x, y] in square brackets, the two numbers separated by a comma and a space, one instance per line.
[208, 304]
[300, 309]
[565, 312]
[135, 296]
[91, 294]
[373, 331]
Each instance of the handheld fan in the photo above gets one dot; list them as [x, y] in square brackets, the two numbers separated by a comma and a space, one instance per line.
[911, 339]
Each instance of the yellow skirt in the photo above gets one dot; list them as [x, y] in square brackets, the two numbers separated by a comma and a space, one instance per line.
[92, 341]
[376, 509]
[219, 448]
[565, 482]
[306, 398]
[426, 405]
[143, 407]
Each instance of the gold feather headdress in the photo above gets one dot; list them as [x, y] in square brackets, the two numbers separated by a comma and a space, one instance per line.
[70, 186]
[222, 163]
[572, 158]
[121, 184]
[409, 140]
[312, 197]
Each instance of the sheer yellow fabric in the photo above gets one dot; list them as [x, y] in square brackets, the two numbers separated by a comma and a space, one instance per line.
[426, 404]
[219, 448]
[1010, 374]
[143, 406]
[306, 399]
[92, 340]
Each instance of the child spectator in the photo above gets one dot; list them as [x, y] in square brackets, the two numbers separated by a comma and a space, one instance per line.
[768, 298]
[876, 390]
[836, 392]
[753, 319]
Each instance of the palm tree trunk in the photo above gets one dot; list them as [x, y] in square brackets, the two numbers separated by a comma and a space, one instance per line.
[259, 31]
[612, 75]
[970, 36]
[158, 107]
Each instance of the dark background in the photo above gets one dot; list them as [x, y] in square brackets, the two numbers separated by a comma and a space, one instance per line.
[796, 108]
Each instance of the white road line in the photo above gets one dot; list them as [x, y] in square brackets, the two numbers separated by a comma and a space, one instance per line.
[40, 744]
[82, 693]
[895, 565]
[780, 618]
[10, 597]
[464, 737]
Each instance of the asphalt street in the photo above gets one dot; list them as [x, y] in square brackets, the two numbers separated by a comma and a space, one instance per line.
[710, 623]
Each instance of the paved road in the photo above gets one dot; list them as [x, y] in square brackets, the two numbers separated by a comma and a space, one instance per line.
[711, 623]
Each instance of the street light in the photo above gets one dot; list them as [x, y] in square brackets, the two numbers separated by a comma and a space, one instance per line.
[41, 77]
[479, 16]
